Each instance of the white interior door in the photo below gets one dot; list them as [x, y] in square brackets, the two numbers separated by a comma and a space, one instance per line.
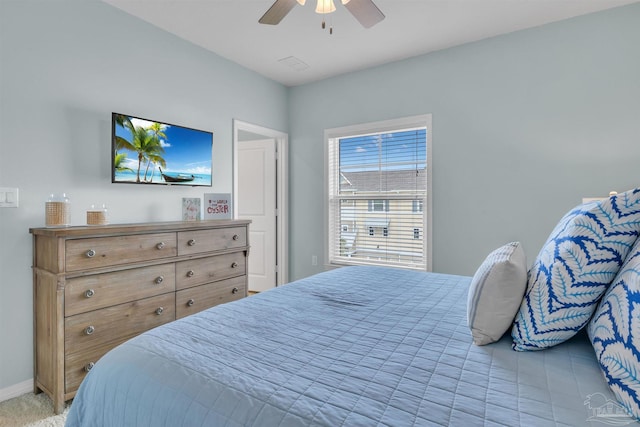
[257, 202]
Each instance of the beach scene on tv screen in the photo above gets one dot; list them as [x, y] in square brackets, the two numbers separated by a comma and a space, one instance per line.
[158, 153]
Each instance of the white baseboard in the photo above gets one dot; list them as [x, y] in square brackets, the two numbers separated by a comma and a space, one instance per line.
[16, 390]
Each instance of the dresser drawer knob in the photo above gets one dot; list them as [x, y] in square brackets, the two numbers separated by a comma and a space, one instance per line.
[91, 253]
[89, 366]
[89, 293]
[234, 290]
[160, 245]
[159, 280]
[234, 265]
[190, 302]
[235, 237]
[191, 242]
[159, 311]
[190, 273]
[89, 330]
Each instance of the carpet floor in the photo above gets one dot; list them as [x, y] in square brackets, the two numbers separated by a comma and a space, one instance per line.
[30, 410]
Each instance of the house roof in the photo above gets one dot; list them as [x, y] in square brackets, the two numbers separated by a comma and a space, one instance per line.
[375, 181]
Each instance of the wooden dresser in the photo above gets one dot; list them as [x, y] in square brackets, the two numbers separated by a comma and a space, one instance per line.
[95, 287]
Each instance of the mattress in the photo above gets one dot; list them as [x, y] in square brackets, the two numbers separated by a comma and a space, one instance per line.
[355, 346]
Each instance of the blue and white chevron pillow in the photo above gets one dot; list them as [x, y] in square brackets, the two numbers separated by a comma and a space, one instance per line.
[574, 268]
[615, 334]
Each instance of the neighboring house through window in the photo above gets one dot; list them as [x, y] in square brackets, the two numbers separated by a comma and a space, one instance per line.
[378, 190]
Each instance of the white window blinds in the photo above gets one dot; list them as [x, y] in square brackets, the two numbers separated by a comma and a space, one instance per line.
[377, 187]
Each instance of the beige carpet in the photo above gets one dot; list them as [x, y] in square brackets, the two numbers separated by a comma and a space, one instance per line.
[32, 410]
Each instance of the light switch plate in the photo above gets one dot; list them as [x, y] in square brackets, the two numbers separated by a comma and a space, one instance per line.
[8, 197]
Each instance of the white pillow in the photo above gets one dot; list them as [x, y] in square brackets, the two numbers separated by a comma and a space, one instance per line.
[496, 292]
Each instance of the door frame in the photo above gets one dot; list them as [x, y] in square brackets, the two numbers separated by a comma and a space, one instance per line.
[282, 190]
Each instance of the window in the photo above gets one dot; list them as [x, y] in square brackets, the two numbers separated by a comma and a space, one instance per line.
[378, 206]
[378, 183]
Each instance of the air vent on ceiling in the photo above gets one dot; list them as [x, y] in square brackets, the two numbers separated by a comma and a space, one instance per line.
[295, 63]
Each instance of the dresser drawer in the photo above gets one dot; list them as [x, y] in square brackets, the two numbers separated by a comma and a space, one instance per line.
[97, 252]
[198, 298]
[88, 331]
[89, 293]
[198, 241]
[76, 365]
[204, 270]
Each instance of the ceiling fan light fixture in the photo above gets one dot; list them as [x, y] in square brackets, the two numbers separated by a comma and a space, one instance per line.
[325, 6]
[365, 11]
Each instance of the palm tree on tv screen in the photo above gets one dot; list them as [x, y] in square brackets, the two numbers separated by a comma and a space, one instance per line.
[146, 144]
[157, 130]
[119, 163]
[156, 160]
[122, 143]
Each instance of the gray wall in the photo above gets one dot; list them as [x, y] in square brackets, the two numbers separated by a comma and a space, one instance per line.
[524, 126]
[65, 66]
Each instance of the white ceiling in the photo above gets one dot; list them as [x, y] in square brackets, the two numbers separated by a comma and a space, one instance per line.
[230, 28]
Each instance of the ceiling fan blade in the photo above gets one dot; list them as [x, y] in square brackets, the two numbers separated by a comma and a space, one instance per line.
[277, 11]
[365, 11]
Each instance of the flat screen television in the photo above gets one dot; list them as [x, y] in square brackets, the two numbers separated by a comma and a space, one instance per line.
[149, 152]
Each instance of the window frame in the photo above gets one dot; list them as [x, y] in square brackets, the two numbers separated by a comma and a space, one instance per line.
[385, 126]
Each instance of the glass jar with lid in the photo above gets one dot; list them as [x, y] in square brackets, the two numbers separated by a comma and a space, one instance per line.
[97, 215]
[58, 211]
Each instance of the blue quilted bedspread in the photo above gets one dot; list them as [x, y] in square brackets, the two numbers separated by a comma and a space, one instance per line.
[357, 346]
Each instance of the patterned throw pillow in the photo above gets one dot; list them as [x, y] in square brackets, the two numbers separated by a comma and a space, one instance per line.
[615, 334]
[572, 271]
[495, 293]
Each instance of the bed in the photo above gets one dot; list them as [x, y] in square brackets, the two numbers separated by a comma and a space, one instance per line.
[355, 346]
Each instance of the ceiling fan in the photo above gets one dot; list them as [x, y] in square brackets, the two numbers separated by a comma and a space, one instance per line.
[365, 11]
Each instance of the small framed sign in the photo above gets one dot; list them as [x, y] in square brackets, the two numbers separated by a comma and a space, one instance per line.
[217, 206]
[191, 209]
